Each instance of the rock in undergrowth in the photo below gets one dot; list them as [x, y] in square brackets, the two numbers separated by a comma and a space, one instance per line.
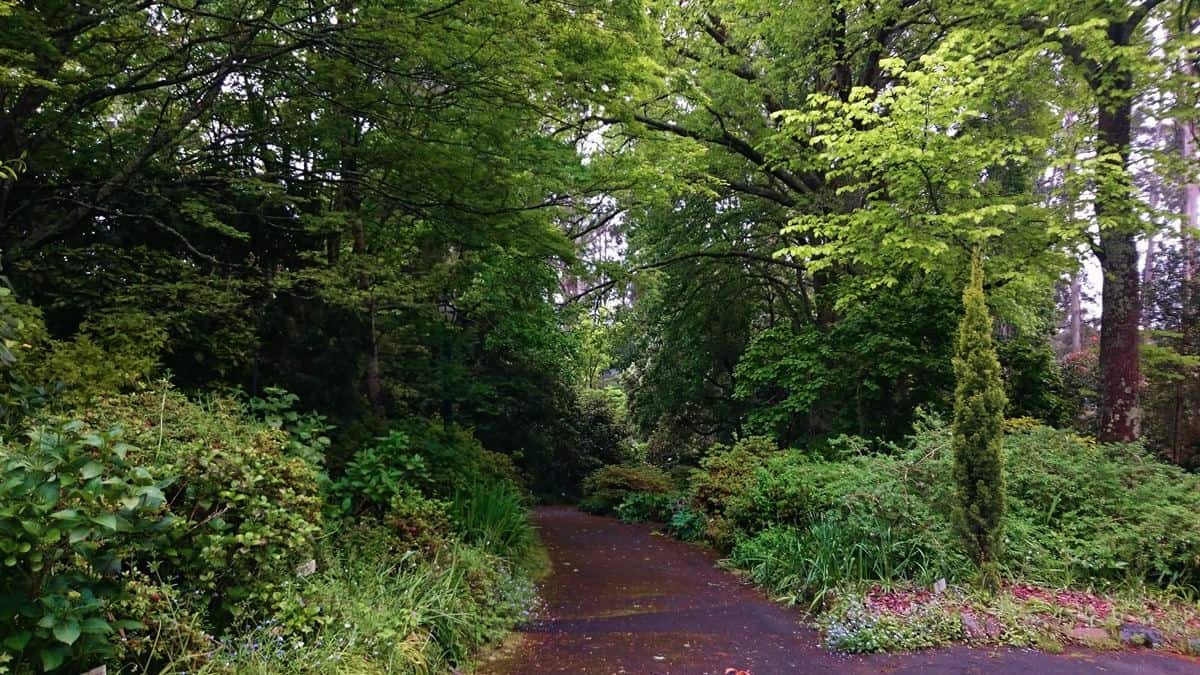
[1091, 637]
[987, 629]
[1137, 635]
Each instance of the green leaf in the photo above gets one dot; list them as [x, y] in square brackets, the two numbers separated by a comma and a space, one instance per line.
[53, 657]
[106, 520]
[17, 641]
[154, 496]
[48, 494]
[95, 626]
[65, 514]
[67, 632]
[91, 470]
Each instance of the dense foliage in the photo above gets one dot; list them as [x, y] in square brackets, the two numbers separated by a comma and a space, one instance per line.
[1078, 513]
[305, 304]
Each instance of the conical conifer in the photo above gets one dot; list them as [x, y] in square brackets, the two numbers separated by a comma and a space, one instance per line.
[978, 432]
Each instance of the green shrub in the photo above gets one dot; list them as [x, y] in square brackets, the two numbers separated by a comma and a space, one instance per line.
[1081, 512]
[73, 512]
[640, 507]
[607, 487]
[456, 460]
[724, 474]
[416, 520]
[802, 526]
[244, 511]
[380, 473]
[685, 522]
[173, 636]
[778, 492]
[306, 432]
[1078, 513]
[112, 352]
[418, 455]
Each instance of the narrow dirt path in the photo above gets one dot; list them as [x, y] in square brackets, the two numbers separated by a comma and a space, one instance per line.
[622, 599]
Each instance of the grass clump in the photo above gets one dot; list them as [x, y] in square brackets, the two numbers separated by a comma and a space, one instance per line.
[805, 565]
[380, 609]
[492, 515]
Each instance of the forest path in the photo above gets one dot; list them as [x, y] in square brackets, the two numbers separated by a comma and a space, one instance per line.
[623, 599]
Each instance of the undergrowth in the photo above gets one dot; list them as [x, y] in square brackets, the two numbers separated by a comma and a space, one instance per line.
[154, 533]
[382, 610]
[836, 531]
[1080, 514]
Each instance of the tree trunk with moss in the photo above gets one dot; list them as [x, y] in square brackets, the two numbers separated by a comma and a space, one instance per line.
[978, 432]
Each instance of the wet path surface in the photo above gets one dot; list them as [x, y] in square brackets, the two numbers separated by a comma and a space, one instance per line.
[622, 599]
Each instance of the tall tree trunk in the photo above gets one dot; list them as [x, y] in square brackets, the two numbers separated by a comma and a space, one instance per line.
[1120, 370]
[1189, 231]
[1191, 206]
[351, 203]
[1191, 192]
[1148, 261]
[1077, 312]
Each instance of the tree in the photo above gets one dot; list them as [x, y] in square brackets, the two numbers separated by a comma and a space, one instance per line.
[361, 204]
[978, 432]
[1110, 50]
[799, 188]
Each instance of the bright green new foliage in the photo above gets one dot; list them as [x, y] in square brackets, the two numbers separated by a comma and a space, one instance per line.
[978, 431]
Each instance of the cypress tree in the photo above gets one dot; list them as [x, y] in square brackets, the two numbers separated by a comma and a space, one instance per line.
[978, 432]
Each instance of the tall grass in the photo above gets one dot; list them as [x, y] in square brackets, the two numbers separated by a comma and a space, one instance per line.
[379, 611]
[803, 565]
[493, 516]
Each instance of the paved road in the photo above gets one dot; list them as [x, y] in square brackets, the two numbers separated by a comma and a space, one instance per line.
[622, 599]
